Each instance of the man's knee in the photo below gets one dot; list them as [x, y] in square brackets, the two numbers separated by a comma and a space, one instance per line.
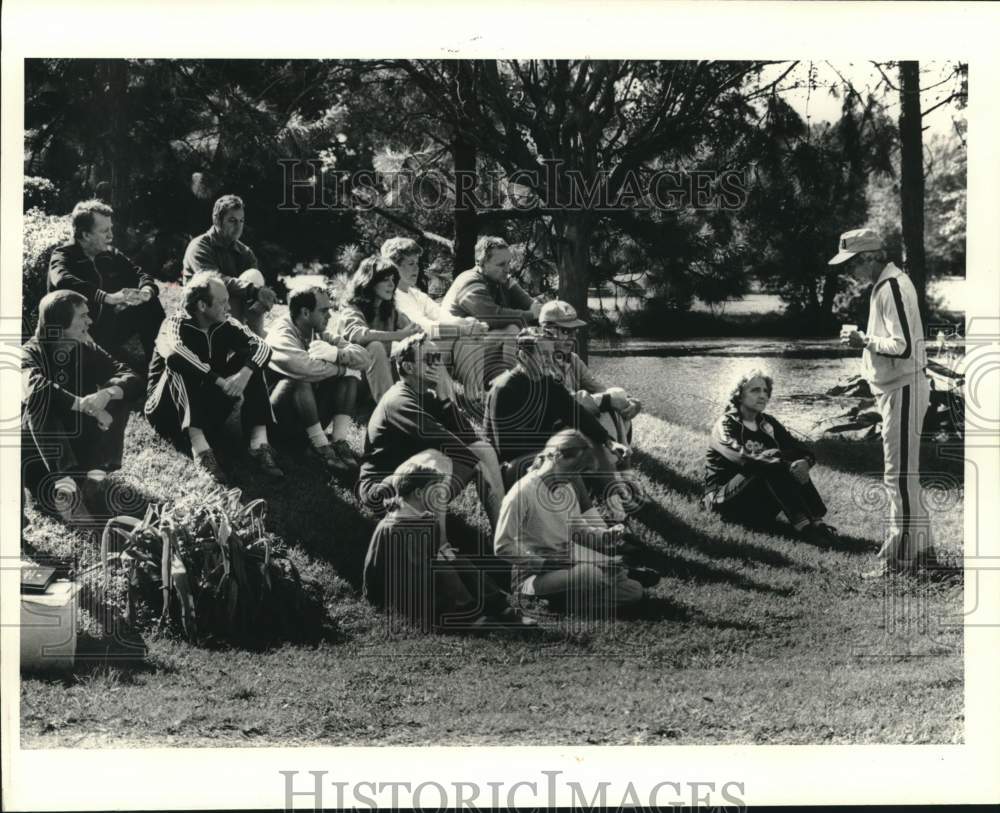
[586, 577]
[627, 591]
[378, 352]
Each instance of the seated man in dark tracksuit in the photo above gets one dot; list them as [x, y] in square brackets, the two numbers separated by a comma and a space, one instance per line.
[205, 366]
[123, 301]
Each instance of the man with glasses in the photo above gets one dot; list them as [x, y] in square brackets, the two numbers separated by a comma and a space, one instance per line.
[526, 406]
[893, 362]
[611, 405]
[420, 412]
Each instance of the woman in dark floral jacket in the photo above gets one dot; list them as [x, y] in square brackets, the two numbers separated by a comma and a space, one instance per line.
[755, 469]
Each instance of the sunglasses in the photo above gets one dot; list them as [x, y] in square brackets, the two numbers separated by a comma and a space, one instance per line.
[433, 357]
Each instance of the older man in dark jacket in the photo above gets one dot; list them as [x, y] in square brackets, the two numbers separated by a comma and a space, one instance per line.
[123, 301]
[75, 407]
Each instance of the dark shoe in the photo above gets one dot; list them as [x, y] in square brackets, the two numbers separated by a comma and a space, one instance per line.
[209, 464]
[333, 461]
[343, 448]
[263, 456]
[512, 617]
[646, 576]
[819, 533]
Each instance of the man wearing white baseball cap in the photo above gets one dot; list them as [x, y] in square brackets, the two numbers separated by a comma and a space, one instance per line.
[893, 361]
[611, 405]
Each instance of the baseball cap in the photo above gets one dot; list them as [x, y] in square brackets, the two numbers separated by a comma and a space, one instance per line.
[531, 336]
[254, 277]
[854, 242]
[558, 312]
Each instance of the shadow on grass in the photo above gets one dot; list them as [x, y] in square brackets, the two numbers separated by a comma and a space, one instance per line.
[659, 472]
[677, 532]
[663, 608]
[674, 566]
[865, 458]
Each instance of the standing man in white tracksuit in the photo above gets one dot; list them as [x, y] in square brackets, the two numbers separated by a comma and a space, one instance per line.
[893, 363]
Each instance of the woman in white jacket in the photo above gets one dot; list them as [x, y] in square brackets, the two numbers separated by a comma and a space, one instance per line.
[416, 305]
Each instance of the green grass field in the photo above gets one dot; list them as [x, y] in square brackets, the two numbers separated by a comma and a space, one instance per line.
[750, 637]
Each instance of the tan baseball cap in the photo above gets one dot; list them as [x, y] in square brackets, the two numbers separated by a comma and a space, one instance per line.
[558, 312]
[856, 241]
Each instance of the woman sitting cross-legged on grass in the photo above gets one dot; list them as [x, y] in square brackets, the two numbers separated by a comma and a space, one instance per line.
[557, 550]
[410, 569]
[371, 319]
[755, 469]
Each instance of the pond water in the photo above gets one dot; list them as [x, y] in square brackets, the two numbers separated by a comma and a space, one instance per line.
[689, 381]
[952, 292]
[693, 389]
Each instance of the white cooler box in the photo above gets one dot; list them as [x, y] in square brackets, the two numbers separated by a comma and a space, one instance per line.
[48, 628]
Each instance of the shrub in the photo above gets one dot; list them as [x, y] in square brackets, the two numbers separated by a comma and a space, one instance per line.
[42, 233]
[39, 193]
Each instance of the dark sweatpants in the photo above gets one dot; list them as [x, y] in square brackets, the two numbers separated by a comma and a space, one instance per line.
[756, 499]
[117, 326]
[57, 443]
[180, 400]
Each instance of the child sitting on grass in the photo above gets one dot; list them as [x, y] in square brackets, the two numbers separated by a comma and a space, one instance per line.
[413, 573]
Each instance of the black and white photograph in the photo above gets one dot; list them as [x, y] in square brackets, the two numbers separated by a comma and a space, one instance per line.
[484, 400]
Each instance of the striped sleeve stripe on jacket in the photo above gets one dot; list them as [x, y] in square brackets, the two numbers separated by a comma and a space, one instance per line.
[897, 298]
[261, 349]
[170, 342]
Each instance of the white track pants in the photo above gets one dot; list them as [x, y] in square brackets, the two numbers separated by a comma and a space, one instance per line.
[908, 535]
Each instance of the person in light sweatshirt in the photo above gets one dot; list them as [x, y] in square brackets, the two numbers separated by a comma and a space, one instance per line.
[558, 550]
[893, 360]
[416, 305]
[317, 377]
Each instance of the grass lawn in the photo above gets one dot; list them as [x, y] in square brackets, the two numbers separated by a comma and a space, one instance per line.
[750, 637]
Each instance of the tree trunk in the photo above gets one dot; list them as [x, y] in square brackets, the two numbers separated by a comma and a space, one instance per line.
[118, 140]
[831, 284]
[464, 156]
[911, 189]
[575, 230]
[466, 226]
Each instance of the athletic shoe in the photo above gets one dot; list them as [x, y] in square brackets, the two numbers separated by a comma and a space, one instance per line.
[885, 569]
[263, 456]
[819, 533]
[512, 617]
[332, 460]
[208, 463]
[343, 448]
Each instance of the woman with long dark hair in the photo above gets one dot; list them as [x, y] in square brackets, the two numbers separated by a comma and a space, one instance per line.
[370, 319]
